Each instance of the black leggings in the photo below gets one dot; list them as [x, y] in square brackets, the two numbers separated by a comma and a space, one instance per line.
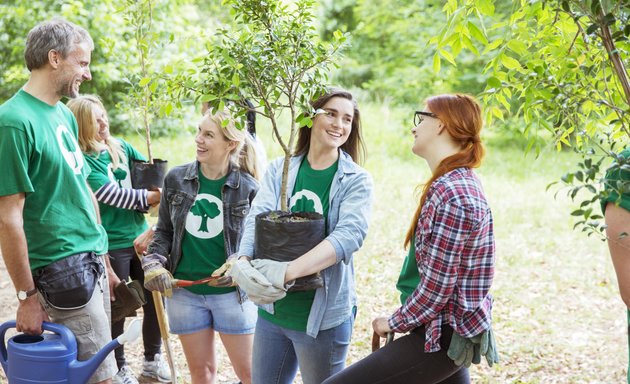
[404, 361]
[125, 263]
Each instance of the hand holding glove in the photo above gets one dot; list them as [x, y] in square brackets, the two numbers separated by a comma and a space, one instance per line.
[156, 277]
[465, 351]
[224, 280]
[274, 271]
[255, 284]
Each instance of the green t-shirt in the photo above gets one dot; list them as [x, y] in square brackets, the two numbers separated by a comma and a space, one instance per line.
[41, 157]
[122, 225]
[617, 179]
[310, 194]
[203, 245]
[409, 277]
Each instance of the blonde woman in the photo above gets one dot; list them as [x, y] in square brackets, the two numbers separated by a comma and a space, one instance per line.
[121, 209]
[203, 207]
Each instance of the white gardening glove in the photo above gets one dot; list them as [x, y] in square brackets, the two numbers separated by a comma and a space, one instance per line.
[274, 271]
[255, 284]
[224, 280]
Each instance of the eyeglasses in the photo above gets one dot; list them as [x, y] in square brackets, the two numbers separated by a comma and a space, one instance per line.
[419, 116]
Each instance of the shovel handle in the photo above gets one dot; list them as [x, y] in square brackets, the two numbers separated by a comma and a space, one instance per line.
[376, 340]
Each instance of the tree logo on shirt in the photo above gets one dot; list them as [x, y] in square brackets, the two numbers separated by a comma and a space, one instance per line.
[69, 149]
[119, 175]
[205, 218]
[306, 201]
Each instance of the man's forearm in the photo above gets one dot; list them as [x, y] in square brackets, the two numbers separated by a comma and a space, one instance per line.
[14, 248]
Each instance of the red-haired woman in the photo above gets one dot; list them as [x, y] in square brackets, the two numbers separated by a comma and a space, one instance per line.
[446, 277]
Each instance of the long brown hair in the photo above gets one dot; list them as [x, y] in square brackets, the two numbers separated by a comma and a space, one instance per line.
[354, 146]
[461, 116]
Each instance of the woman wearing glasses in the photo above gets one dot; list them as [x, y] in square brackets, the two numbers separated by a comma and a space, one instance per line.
[311, 329]
[446, 276]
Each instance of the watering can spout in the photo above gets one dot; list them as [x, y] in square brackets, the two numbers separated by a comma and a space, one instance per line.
[81, 371]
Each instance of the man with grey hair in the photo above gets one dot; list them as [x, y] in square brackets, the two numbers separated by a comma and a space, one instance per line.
[50, 236]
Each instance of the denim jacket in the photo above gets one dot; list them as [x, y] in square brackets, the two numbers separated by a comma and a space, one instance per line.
[181, 186]
[348, 218]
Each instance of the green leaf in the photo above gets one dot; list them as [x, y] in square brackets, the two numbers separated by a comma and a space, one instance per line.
[509, 62]
[477, 34]
[517, 47]
[609, 19]
[206, 98]
[436, 63]
[236, 80]
[168, 108]
[486, 7]
[144, 81]
[592, 28]
[494, 45]
[494, 82]
[447, 55]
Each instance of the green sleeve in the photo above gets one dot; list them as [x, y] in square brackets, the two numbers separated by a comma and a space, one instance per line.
[98, 173]
[617, 179]
[14, 156]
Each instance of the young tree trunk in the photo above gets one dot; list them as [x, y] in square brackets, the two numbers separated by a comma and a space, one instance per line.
[613, 54]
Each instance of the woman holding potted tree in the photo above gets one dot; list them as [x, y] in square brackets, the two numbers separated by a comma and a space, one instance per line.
[311, 329]
[203, 206]
[122, 213]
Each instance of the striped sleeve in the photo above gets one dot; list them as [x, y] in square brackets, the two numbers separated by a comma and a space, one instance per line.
[125, 198]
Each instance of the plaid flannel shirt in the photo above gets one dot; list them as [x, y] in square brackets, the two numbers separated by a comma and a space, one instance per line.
[455, 253]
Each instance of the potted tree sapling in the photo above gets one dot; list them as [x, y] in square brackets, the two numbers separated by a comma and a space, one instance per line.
[139, 14]
[275, 58]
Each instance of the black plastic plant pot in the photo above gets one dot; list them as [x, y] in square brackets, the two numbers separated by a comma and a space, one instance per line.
[285, 236]
[148, 176]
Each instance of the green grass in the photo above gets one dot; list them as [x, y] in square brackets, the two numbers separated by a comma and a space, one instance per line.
[557, 314]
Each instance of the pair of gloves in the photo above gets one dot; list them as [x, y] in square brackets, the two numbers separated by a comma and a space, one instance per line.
[262, 280]
[467, 350]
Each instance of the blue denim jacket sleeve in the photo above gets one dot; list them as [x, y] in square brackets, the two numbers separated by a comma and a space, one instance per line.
[354, 212]
[266, 200]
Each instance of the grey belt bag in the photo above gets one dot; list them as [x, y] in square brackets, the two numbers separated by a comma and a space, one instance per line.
[69, 283]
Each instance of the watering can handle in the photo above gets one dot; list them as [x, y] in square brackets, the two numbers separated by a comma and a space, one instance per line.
[3, 348]
[67, 337]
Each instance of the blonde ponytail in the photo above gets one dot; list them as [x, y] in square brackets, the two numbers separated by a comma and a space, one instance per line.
[248, 157]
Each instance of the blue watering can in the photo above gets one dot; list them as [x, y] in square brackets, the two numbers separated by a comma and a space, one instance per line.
[52, 357]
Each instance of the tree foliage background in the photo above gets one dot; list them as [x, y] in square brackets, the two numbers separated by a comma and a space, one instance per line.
[549, 71]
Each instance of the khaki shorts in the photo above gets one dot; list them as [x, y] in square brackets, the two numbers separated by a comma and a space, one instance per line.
[91, 327]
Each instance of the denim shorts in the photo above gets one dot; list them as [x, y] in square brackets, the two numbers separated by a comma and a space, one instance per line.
[189, 313]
